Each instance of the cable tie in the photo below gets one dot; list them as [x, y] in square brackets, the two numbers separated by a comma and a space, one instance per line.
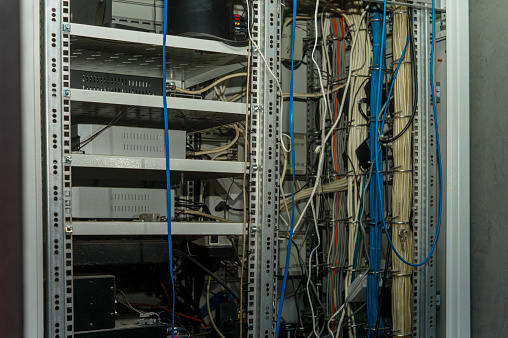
[402, 170]
[341, 219]
[402, 116]
[406, 62]
[401, 274]
[382, 329]
[356, 325]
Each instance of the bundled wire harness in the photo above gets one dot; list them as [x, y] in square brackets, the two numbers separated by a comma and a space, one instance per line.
[402, 192]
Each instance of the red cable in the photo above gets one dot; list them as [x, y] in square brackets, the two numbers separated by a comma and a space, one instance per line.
[166, 292]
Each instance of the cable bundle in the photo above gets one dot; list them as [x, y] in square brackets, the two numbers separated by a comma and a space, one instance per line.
[402, 234]
[357, 127]
[337, 241]
[333, 186]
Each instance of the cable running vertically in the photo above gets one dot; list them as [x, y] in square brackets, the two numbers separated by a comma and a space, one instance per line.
[356, 133]
[376, 213]
[168, 173]
[402, 183]
[293, 164]
[438, 146]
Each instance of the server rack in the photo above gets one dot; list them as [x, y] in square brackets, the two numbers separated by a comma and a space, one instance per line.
[58, 97]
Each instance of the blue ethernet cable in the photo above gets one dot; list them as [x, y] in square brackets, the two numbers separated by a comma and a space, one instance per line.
[168, 173]
[439, 160]
[376, 213]
[293, 164]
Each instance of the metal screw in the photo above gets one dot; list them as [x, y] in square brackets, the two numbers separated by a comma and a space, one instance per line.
[256, 108]
[67, 92]
[255, 167]
[68, 159]
[67, 27]
[254, 228]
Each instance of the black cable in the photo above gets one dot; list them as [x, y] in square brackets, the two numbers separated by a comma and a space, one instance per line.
[287, 63]
[415, 87]
[208, 272]
[117, 118]
[227, 196]
[235, 249]
[300, 322]
[364, 100]
[194, 204]
[232, 43]
[383, 288]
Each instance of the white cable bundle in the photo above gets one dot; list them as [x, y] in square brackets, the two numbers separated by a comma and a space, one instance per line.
[361, 61]
[402, 235]
[324, 108]
[333, 186]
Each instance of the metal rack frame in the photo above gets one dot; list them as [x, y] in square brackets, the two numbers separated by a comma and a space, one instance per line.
[264, 172]
[57, 169]
[425, 183]
[263, 185]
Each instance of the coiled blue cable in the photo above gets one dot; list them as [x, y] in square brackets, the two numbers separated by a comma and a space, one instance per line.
[440, 166]
[168, 172]
[293, 164]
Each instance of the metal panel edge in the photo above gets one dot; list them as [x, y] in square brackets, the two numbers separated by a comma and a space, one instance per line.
[55, 115]
[458, 316]
[130, 36]
[32, 174]
[98, 228]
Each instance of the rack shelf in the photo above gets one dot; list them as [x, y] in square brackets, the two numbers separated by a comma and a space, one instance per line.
[201, 169]
[184, 113]
[129, 52]
[99, 228]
